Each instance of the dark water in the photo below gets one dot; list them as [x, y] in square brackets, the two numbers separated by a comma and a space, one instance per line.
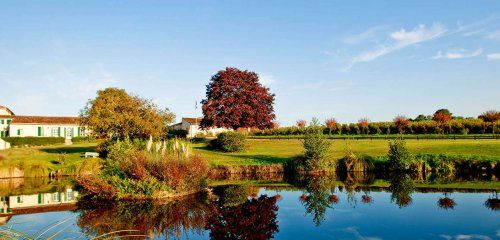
[307, 207]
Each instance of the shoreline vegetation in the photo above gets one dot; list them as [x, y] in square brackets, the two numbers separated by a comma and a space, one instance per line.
[261, 155]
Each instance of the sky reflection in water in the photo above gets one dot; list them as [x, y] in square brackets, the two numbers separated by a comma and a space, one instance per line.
[309, 208]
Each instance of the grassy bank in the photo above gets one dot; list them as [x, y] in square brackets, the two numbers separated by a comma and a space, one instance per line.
[39, 161]
[273, 151]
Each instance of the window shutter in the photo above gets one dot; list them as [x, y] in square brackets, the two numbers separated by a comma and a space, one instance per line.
[58, 131]
[39, 131]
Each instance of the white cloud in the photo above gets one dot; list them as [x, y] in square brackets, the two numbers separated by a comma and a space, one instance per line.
[493, 56]
[401, 39]
[457, 54]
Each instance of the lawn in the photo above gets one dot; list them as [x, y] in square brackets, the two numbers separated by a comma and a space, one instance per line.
[272, 151]
[49, 157]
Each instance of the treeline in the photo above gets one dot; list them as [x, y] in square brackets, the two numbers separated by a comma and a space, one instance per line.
[454, 126]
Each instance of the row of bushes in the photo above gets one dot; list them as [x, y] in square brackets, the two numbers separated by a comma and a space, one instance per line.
[33, 141]
[456, 126]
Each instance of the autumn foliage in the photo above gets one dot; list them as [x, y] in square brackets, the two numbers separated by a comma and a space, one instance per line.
[401, 122]
[301, 123]
[236, 99]
[253, 219]
[331, 124]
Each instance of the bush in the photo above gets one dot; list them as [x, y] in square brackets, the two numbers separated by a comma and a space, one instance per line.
[130, 172]
[33, 141]
[231, 142]
[316, 148]
[399, 155]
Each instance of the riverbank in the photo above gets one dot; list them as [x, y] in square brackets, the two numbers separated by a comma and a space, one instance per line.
[262, 155]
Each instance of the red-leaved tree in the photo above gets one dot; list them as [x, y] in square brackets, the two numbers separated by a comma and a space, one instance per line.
[491, 116]
[363, 125]
[401, 122]
[236, 99]
[301, 123]
[442, 116]
[330, 124]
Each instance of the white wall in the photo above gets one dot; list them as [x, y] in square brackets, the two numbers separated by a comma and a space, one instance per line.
[31, 130]
[4, 145]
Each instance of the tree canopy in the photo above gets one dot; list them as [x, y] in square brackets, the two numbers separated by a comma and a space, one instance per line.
[118, 114]
[235, 99]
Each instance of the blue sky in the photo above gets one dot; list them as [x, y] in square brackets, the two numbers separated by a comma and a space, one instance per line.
[321, 58]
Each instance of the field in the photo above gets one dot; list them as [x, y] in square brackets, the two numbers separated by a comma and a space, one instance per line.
[50, 158]
[272, 151]
[260, 152]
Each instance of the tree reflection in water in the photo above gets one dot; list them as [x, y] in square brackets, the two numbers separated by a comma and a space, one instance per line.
[446, 202]
[401, 188]
[148, 218]
[250, 218]
[318, 194]
[253, 219]
[493, 203]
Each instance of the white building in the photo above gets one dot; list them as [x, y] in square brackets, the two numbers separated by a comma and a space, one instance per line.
[12, 125]
[192, 128]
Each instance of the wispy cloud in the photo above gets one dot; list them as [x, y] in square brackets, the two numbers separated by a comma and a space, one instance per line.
[493, 56]
[495, 35]
[399, 40]
[267, 80]
[466, 237]
[368, 34]
[457, 54]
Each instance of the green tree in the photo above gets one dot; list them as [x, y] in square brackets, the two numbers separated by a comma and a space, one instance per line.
[399, 155]
[116, 114]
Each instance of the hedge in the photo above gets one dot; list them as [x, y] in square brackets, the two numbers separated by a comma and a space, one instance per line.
[33, 141]
[456, 126]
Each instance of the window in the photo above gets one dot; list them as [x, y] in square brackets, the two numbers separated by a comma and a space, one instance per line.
[18, 132]
[8, 121]
[39, 131]
[3, 121]
[56, 197]
[70, 195]
[19, 199]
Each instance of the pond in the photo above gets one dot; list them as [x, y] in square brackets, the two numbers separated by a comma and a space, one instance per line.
[281, 207]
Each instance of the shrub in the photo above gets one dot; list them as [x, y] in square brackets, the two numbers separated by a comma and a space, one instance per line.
[131, 172]
[399, 155]
[33, 141]
[316, 148]
[231, 141]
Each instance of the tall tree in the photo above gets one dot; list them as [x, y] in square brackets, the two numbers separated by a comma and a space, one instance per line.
[115, 113]
[235, 99]
[491, 116]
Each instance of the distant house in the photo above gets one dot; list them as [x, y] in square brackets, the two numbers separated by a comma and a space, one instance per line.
[12, 125]
[192, 128]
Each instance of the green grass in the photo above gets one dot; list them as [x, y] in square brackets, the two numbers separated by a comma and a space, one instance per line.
[273, 151]
[36, 161]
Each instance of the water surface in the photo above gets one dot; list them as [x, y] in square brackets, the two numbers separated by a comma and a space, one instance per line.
[306, 207]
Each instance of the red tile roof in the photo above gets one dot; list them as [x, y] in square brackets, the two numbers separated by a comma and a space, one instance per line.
[192, 120]
[44, 120]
